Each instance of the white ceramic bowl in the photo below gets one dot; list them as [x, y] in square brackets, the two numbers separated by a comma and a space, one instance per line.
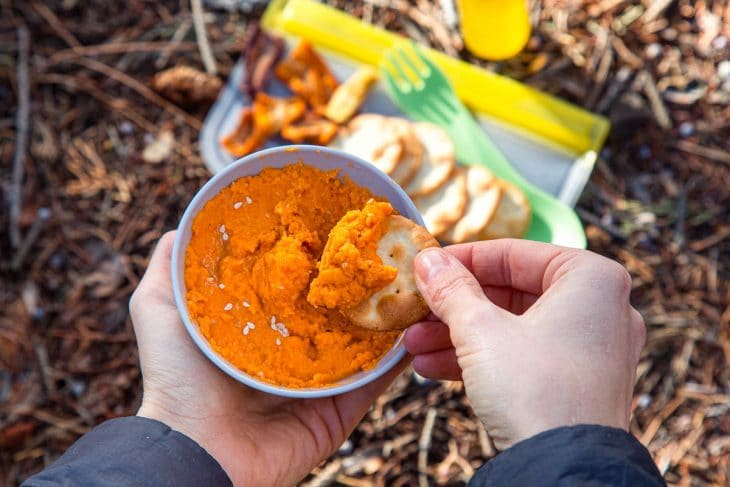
[362, 174]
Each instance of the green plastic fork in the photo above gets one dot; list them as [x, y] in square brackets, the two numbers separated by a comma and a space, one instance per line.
[422, 92]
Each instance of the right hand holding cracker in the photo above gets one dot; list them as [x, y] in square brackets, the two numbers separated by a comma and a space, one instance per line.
[542, 336]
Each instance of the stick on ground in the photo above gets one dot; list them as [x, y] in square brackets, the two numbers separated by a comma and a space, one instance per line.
[206, 54]
[21, 124]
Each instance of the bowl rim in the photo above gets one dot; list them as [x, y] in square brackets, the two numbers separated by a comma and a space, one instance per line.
[178, 278]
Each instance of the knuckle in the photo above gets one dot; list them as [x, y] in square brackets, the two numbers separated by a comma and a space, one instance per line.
[134, 302]
[168, 237]
[618, 278]
[638, 329]
[445, 290]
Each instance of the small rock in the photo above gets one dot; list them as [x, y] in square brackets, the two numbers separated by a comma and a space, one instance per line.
[644, 151]
[643, 401]
[56, 261]
[77, 387]
[126, 128]
[686, 129]
[645, 218]
[346, 447]
[723, 70]
[160, 149]
[654, 50]
[448, 10]
[420, 380]
[234, 5]
[719, 43]
[669, 34]
[688, 95]
[372, 465]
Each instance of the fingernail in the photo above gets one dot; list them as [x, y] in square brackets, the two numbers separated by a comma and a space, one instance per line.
[430, 263]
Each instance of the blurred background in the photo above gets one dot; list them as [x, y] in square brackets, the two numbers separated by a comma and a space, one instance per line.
[96, 164]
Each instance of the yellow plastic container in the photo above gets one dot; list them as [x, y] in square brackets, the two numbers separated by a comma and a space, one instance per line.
[494, 29]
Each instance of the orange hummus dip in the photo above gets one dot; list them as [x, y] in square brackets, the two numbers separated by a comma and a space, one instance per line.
[252, 256]
[350, 270]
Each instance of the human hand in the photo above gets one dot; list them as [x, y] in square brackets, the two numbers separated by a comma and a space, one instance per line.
[258, 439]
[542, 336]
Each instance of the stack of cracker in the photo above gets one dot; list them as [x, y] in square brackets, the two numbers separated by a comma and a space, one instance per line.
[458, 203]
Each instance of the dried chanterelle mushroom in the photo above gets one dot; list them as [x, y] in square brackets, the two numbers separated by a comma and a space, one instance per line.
[348, 97]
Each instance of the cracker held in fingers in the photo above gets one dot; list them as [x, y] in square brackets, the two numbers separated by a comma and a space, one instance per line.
[399, 304]
[512, 216]
[484, 195]
[445, 206]
[439, 160]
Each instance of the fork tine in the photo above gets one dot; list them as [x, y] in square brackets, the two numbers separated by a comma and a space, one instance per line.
[391, 80]
[403, 77]
[407, 64]
[422, 58]
[416, 59]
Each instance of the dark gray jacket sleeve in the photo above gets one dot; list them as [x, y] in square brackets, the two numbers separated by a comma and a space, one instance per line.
[143, 452]
[133, 451]
[585, 455]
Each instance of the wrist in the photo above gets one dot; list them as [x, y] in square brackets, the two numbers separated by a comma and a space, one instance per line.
[151, 410]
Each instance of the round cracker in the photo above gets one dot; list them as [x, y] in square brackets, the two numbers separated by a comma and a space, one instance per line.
[369, 136]
[399, 304]
[413, 151]
[484, 196]
[512, 216]
[445, 206]
[439, 160]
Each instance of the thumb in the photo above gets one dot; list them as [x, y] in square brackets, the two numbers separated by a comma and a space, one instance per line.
[451, 291]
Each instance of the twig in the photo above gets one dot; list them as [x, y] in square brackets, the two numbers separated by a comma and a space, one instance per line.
[21, 144]
[175, 41]
[121, 48]
[655, 9]
[55, 23]
[657, 421]
[202, 36]
[681, 214]
[661, 114]
[622, 78]
[698, 150]
[485, 443]
[424, 443]
[45, 367]
[327, 475]
[140, 88]
[396, 444]
[44, 214]
[79, 83]
[600, 78]
[609, 228]
[718, 236]
[625, 54]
